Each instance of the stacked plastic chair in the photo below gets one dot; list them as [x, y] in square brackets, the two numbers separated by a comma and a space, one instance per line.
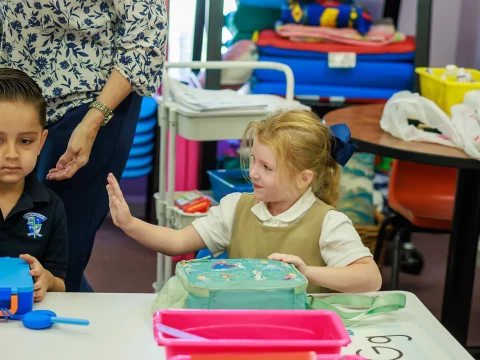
[140, 161]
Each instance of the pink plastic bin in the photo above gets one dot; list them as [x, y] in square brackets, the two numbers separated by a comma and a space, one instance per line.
[340, 357]
[319, 357]
[252, 331]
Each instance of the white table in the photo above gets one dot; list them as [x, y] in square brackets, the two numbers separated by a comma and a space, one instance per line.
[121, 328]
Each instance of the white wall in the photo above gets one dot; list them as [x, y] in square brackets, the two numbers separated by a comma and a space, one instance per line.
[445, 32]
[469, 35]
[455, 34]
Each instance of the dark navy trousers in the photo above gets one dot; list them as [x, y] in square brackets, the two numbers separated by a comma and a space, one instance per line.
[84, 195]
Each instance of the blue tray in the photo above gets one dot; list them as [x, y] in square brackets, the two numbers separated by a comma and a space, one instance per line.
[225, 182]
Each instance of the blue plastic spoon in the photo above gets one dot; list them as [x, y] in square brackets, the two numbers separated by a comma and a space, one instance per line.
[43, 319]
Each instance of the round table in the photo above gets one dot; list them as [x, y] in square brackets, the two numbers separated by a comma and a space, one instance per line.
[364, 124]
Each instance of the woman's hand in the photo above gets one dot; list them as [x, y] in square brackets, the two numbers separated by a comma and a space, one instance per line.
[81, 141]
[79, 147]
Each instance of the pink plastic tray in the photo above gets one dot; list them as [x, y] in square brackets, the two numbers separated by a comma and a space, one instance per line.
[319, 357]
[252, 331]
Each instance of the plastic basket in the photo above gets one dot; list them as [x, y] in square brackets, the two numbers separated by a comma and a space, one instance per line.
[317, 357]
[252, 331]
[182, 219]
[225, 182]
[445, 93]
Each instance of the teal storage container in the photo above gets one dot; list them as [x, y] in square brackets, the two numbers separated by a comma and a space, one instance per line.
[234, 284]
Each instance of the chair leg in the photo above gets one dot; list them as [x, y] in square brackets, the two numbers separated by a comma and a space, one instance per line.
[381, 236]
[412, 260]
[401, 236]
[397, 243]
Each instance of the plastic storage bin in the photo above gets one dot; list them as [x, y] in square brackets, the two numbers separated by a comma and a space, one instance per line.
[445, 93]
[225, 182]
[252, 331]
[317, 357]
[182, 219]
[16, 286]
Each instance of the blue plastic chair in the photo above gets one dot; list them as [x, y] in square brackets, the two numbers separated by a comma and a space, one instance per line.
[135, 173]
[140, 150]
[139, 161]
[148, 109]
[146, 126]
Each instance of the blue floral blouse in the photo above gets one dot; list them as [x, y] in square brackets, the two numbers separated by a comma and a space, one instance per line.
[70, 47]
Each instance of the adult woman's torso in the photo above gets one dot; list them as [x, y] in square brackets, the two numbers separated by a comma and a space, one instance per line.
[68, 47]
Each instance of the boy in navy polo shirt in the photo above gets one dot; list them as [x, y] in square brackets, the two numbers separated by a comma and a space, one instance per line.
[32, 218]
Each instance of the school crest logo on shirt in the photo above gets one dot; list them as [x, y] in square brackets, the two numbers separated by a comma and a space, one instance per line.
[34, 222]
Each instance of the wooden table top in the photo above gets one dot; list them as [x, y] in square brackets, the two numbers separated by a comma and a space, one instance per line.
[364, 124]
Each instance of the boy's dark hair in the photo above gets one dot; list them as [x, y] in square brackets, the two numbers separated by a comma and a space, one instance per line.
[15, 85]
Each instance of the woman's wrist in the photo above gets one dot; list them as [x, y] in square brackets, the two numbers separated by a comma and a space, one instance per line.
[94, 118]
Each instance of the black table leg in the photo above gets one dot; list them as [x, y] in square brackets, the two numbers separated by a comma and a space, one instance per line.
[457, 299]
[214, 25]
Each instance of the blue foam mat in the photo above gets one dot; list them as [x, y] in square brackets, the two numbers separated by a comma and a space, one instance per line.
[322, 90]
[289, 53]
[369, 74]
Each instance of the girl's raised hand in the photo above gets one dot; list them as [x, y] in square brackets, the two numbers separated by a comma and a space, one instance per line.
[118, 206]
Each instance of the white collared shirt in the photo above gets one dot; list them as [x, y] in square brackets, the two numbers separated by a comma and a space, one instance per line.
[339, 242]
